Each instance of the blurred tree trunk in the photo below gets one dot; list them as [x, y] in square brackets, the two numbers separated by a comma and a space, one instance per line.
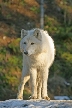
[71, 2]
[70, 13]
[69, 18]
[65, 12]
[42, 15]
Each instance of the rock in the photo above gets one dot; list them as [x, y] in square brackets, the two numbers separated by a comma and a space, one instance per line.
[14, 103]
[4, 37]
[59, 86]
[61, 98]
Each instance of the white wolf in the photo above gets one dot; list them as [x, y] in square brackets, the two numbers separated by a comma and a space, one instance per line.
[38, 55]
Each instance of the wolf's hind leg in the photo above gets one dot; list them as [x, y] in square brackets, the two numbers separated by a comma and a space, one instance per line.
[39, 86]
[39, 91]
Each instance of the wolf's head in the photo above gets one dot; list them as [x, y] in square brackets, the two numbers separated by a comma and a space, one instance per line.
[31, 40]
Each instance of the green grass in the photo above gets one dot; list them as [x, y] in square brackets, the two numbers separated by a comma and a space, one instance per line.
[35, 9]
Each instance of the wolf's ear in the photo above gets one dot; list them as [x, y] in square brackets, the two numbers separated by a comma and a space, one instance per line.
[23, 33]
[37, 34]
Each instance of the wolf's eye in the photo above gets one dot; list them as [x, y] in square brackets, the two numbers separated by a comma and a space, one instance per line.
[32, 43]
[24, 43]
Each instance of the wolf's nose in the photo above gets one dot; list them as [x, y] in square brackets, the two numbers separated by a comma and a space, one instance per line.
[26, 52]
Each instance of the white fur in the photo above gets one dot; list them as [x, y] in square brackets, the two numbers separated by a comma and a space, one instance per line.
[37, 62]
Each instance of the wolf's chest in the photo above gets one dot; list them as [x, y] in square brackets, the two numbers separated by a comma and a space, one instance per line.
[38, 61]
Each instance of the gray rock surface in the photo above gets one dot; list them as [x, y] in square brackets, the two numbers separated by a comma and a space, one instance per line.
[14, 103]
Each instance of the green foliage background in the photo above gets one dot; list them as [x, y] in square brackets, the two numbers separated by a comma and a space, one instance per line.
[12, 19]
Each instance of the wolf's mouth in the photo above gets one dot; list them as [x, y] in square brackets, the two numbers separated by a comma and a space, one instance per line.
[25, 52]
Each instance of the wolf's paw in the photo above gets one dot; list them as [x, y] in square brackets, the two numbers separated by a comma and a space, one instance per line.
[32, 97]
[46, 98]
[20, 97]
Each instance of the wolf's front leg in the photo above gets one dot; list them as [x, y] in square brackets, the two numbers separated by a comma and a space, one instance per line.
[33, 77]
[44, 83]
[21, 86]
